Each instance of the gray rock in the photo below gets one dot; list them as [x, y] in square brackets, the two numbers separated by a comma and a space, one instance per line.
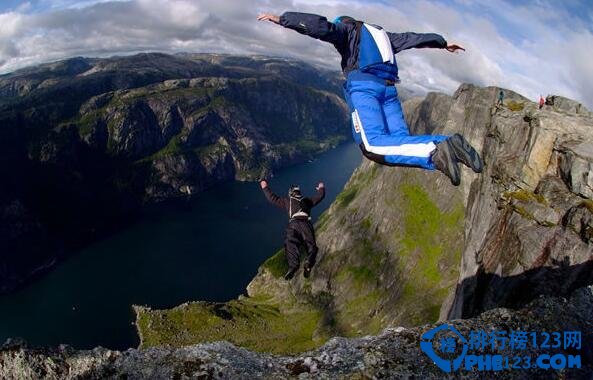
[517, 245]
[394, 353]
[560, 103]
[576, 167]
[580, 220]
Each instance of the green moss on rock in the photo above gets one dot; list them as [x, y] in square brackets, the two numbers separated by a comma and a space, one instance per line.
[347, 196]
[174, 147]
[87, 123]
[322, 222]
[251, 323]
[588, 203]
[524, 196]
[430, 243]
[277, 264]
[363, 274]
[357, 312]
[515, 106]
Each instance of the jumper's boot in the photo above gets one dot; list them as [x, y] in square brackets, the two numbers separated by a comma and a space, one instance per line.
[445, 161]
[290, 274]
[465, 153]
[306, 270]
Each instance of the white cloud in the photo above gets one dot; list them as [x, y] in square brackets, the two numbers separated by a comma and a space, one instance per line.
[534, 50]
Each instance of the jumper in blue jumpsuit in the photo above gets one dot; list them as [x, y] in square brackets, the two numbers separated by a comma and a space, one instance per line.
[368, 60]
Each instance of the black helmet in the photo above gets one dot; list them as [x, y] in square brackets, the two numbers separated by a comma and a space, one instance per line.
[294, 191]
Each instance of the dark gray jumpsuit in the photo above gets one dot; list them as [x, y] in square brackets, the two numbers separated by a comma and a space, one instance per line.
[300, 229]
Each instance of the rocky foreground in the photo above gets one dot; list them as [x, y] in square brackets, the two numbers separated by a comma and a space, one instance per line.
[394, 353]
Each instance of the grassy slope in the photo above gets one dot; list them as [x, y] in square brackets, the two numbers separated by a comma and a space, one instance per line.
[257, 323]
[403, 252]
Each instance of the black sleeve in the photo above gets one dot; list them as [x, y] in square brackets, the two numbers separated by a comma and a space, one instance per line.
[274, 199]
[315, 26]
[319, 197]
[409, 40]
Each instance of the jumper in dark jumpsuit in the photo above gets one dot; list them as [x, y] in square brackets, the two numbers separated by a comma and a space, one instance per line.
[300, 229]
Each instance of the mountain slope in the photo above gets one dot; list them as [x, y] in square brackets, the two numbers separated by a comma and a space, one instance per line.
[85, 142]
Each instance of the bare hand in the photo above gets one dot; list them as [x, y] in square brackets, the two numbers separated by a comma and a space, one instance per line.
[320, 186]
[454, 47]
[269, 17]
[263, 184]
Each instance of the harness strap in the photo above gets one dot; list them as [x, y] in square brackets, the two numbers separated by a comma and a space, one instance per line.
[300, 212]
[358, 29]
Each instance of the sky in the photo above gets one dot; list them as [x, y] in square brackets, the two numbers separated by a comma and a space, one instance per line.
[533, 47]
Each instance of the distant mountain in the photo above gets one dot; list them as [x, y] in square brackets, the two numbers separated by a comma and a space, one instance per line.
[84, 142]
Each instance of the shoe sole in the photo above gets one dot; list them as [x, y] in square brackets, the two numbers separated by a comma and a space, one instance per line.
[290, 276]
[452, 166]
[306, 273]
[465, 153]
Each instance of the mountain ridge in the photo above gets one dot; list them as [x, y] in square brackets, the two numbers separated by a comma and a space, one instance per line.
[86, 142]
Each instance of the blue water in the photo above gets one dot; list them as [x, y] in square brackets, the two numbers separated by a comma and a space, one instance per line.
[205, 248]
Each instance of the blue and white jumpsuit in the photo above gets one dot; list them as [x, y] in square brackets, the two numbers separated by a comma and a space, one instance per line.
[368, 60]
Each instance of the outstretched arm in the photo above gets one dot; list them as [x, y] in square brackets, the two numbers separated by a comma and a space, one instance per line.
[271, 197]
[310, 25]
[320, 194]
[409, 40]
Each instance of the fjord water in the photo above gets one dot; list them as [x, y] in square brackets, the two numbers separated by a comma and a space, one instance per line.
[205, 248]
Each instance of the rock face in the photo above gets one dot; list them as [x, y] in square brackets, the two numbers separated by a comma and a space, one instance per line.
[402, 247]
[394, 353]
[528, 218]
[84, 142]
[562, 104]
